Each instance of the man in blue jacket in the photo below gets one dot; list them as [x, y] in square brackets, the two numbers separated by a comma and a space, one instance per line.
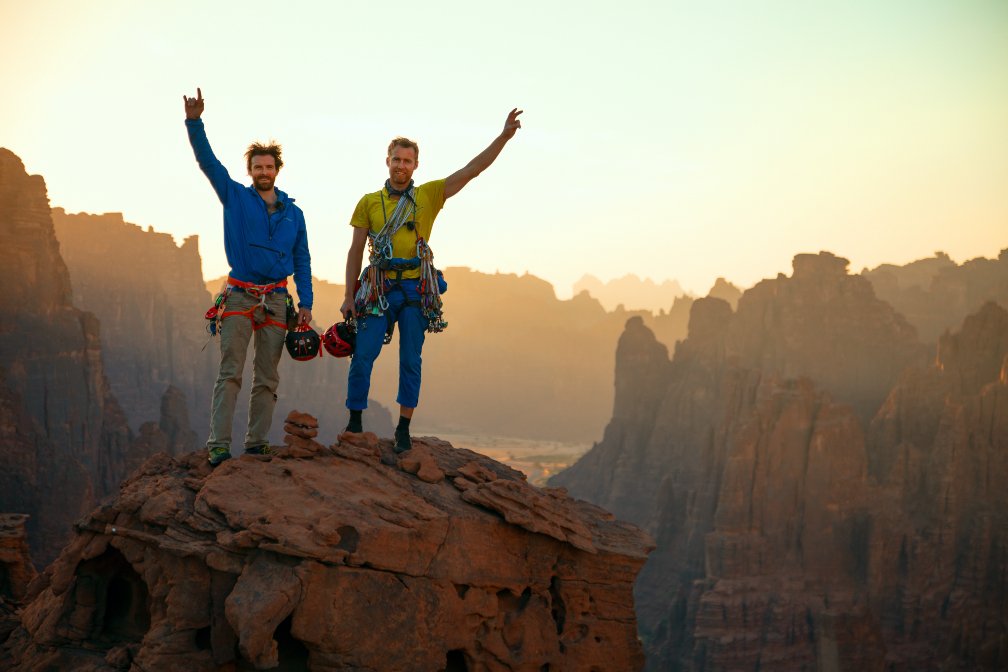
[265, 240]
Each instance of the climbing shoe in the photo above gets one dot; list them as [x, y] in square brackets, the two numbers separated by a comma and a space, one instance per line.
[258, 450]
[218, 454]
[402, 440]
[355, 425]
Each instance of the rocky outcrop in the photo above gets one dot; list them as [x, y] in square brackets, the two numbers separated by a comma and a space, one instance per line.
[16, 570]
[149, 297]
[62, 430]
[936, 294]
[939, 451]
[335, 558]
[838, 552]
[826, 325]
[725, 291]
[791, 531]
[821, 323]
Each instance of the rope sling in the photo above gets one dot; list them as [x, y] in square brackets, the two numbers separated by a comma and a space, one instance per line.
[370, 297]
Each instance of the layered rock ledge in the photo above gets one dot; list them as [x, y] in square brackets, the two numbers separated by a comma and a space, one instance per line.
[342, 557]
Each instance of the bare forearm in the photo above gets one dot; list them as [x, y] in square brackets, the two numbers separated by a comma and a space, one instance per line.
[354, 261]
[353, 270]
[481, 162]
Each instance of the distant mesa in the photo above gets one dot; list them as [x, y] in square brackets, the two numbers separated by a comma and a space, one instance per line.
[631, 292]
[824, 264]
[337, 557]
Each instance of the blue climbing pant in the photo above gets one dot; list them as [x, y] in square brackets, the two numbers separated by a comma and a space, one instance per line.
[403, 308]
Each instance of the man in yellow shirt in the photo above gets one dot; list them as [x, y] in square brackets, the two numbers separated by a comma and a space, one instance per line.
[400, 284]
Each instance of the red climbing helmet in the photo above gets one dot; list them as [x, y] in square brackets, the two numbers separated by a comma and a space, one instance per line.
[339, 339]
[303, 343]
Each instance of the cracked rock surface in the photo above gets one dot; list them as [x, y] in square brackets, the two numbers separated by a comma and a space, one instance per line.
[341, 557]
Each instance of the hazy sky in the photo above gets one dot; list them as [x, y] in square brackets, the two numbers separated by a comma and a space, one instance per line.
[680, 140]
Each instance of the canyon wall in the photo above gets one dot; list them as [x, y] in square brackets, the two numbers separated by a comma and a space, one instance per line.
[64, 435]
[822, 496]
[149, 297]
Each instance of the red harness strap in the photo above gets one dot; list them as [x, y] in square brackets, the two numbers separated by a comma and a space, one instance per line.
[259, 292]
[256, 290]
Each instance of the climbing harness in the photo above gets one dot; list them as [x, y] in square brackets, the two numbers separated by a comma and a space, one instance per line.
[384, 272]
[259, 314]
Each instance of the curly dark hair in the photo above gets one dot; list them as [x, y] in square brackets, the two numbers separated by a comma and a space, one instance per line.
[259, 149]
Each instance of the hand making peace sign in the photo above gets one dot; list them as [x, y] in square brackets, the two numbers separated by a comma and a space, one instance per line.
[512, 124]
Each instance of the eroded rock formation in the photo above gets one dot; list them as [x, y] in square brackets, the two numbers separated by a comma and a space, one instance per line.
[792, 531]
[337, 558]
[64, 436]
[827, 325]
[16, 569]
[149, 297]
[936, 294]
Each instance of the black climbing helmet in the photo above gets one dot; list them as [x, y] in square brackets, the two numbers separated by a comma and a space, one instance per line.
[303, 343]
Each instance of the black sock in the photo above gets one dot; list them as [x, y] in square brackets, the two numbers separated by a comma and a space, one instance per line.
[404, 423]
[355, 425]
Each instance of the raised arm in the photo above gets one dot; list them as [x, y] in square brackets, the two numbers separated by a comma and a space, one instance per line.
[208, 163]
[460, 178]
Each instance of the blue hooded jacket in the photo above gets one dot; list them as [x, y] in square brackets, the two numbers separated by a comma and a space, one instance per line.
[261, 248]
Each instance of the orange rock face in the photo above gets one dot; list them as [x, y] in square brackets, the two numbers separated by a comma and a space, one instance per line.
[344, 557]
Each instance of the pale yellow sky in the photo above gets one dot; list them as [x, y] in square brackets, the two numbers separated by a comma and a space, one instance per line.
[668, 139]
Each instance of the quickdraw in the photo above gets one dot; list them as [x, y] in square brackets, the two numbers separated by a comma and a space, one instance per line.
[370, 297]
[429, 289]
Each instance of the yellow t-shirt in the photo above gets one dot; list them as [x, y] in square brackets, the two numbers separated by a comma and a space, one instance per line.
[429, 199]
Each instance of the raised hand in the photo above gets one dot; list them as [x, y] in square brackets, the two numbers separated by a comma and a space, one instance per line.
[512, 124]
[194, 106]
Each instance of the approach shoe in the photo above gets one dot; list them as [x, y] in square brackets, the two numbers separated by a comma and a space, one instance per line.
[258, 450]
[402, 440]
[218, 454]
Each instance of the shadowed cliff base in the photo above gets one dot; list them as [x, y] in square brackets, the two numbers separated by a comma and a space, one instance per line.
[335, 558]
